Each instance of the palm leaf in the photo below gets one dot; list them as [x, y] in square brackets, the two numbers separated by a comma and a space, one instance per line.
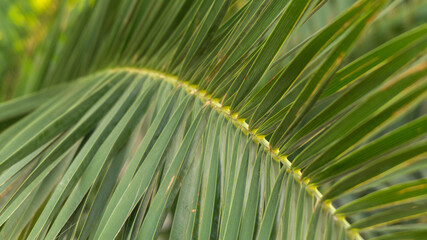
[219, 119]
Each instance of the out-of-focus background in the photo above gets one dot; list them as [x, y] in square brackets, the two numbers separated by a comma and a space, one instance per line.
[25, 28]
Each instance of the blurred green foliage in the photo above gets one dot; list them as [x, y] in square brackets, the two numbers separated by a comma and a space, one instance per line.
[23, 24]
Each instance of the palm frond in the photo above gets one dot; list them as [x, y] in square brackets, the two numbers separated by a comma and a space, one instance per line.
[219, 119]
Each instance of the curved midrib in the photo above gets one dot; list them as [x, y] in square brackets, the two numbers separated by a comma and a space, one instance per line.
[240, 123]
